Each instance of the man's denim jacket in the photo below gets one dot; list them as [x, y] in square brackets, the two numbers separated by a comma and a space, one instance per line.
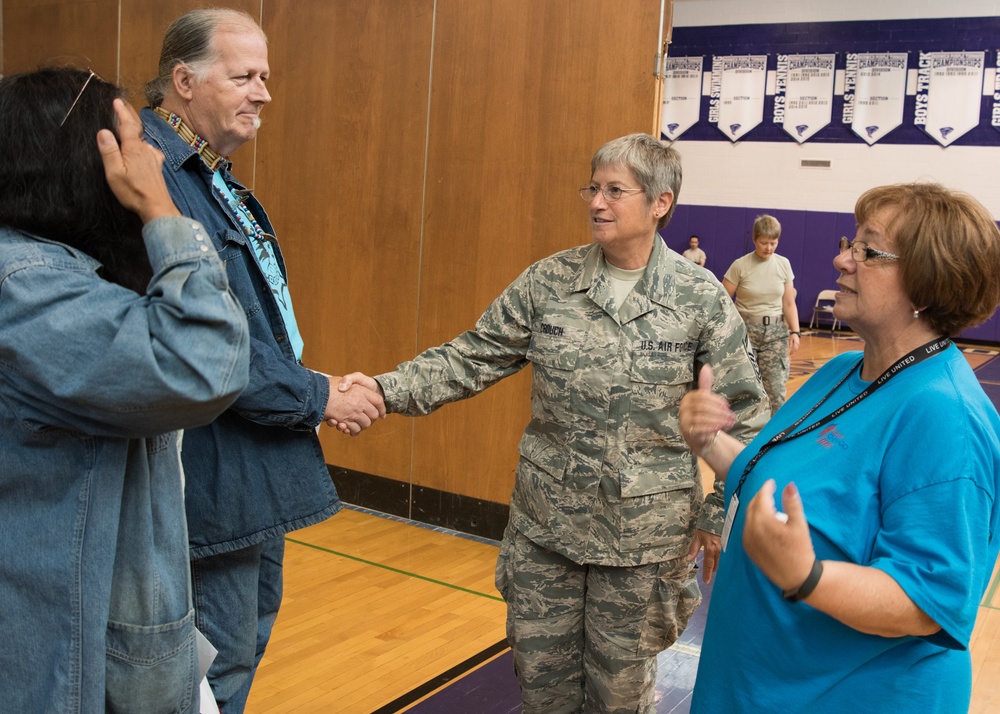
[258, 471]
[95, 603]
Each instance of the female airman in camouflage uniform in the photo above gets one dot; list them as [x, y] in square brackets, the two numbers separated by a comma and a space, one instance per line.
[608, 511]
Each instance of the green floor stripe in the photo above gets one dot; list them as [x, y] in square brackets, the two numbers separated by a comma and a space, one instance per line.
[395, 570]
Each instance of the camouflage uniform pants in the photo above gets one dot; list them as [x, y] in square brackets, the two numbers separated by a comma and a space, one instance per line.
[770, 344]
[585, 637]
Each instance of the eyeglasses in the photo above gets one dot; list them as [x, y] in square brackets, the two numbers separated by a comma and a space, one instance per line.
[861, 252]
[78, 95]
[611, 193]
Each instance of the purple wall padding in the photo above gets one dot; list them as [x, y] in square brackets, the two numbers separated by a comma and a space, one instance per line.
[809, 239]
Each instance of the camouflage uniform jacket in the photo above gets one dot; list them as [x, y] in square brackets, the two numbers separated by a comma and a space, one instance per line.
[604, 475]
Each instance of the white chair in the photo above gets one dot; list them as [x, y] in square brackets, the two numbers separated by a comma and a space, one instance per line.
[823, 309]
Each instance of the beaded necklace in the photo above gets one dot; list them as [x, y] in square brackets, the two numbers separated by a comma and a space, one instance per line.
[211, 158]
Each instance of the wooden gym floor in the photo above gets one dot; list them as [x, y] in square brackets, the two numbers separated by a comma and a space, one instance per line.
[385, 615]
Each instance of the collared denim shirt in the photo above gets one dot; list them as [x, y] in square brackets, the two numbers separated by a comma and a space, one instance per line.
[258, 471]
[95, 601]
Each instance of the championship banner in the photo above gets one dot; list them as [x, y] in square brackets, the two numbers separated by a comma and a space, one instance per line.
[995, 114]
[681, 95]
[803, 96]
[874, 91]
[949, 93]
[737, 103]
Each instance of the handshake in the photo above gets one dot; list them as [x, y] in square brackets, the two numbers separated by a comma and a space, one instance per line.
[355, 402]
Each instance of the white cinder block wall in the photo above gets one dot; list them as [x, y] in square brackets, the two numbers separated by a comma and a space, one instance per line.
[769, 174]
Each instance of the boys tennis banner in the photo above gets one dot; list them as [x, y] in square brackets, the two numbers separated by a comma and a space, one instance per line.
[803, 95]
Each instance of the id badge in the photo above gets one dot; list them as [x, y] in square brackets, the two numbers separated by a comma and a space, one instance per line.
[734, 506]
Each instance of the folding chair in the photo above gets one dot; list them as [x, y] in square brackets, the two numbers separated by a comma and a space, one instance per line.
[823, 309]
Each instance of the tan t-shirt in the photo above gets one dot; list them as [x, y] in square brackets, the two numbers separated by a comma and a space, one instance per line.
[760, 284]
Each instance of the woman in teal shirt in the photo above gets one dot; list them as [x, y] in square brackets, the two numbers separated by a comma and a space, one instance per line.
[857, 588]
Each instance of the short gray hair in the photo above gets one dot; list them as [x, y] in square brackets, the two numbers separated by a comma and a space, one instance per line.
[189, 42]
[655, 165]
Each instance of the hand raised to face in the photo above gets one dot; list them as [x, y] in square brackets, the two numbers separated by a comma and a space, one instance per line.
[134, 168]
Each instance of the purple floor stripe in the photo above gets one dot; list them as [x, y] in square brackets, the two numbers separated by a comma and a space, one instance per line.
[990, 372]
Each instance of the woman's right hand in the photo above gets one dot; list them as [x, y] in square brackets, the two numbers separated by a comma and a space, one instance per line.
[703, 414]
[134, 168]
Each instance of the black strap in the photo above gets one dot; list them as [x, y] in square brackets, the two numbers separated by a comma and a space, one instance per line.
[915, 357]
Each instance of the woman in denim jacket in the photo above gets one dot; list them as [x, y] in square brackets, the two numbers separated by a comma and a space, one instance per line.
[117, 328]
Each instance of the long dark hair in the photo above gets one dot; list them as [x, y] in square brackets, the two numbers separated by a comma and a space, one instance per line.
[52, 180]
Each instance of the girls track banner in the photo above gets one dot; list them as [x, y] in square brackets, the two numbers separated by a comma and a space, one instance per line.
[995, 115]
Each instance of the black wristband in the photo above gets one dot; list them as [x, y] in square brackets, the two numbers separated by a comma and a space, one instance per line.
[808, 586]
[796, 332]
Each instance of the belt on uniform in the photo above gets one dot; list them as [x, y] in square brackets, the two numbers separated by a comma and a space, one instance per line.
[761, 319]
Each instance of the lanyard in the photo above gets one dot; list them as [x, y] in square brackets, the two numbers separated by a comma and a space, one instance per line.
[915, 357]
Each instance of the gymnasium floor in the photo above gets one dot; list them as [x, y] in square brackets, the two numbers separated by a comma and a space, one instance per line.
[385, 615]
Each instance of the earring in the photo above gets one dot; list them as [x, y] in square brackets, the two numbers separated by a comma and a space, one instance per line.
[916, 314]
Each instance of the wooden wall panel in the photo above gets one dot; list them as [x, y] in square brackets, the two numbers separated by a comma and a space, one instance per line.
[523, 94]
[340, 170]
[69, 33]
[402, 219]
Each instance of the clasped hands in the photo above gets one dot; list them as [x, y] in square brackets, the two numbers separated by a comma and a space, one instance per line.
[355, 402]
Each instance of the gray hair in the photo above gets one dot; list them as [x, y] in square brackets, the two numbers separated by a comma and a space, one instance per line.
[189, 42]
[655, 165]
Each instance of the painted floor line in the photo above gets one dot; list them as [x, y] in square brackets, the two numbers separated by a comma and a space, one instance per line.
[395, 570]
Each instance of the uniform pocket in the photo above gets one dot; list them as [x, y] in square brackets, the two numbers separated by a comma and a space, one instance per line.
[675, 598]
[659, 381]
[154, 665]
[543, 454]
[656, 504]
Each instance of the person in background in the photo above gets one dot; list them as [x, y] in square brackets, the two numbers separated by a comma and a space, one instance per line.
[117, 329]
[608, 511]
[762, 285]
[861, 593]
[694, 253]
[258, 471]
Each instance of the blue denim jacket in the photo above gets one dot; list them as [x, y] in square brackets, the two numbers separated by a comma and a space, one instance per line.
[257, 471]
[95, 603]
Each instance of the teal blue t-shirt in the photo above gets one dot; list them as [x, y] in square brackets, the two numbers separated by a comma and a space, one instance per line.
[906, 481]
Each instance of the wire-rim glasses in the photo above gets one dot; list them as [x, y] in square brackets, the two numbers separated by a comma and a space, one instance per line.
[861, 252]
[611, 193]
[78, 95]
